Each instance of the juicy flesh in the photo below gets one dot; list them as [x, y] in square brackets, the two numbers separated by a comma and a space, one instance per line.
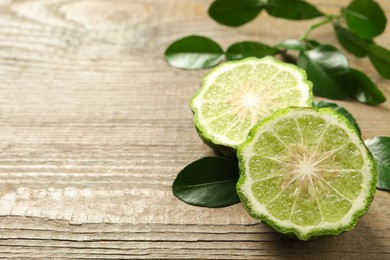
[251, 101]
[303, 173]
[237, 99]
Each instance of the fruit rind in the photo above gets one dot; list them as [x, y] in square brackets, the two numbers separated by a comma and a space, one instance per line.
[229, 148]
[297, 231]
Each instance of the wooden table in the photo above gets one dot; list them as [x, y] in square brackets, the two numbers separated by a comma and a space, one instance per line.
[95, 126]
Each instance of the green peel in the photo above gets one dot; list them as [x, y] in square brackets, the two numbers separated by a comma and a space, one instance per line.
[317, 179]
[236, 94]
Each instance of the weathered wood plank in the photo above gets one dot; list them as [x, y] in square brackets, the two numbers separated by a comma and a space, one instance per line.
[95, 126]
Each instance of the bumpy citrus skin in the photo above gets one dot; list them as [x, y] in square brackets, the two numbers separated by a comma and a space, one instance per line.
[236, 94]
[316, 197]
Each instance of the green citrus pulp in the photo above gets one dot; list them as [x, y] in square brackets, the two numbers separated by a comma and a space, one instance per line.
[306, 173]
[236, 94]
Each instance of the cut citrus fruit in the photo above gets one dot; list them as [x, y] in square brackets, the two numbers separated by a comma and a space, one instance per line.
[236, 94]
[306, 173]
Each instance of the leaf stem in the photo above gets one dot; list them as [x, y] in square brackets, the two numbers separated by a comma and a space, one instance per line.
[312, 27]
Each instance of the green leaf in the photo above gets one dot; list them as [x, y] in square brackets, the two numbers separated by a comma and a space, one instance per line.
[194, 52]
[208, 182]
[380, 58]
[328, 69]
[352, 42]
[235, 12]
[310, 44]
[287, 58]
[380, 149]
[364, 90]
[365, 18]
[292, 9]
[340, 110]
[242, 50]
[291, 44]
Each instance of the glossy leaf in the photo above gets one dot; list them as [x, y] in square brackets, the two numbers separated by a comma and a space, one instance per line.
[328, 69]
[241, 50]
[235, 12]
[364, 90]
[194, 52]
[292, 9]
[365, 18]
[287, 58]
[380, 58]
[208, 182]
[291, 44]
[352, 42]
[340, 110]
[380, 149]
[310, 44]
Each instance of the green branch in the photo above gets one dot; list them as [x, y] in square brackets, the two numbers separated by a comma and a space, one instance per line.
[322, 22]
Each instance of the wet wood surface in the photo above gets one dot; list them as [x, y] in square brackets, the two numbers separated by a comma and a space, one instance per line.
[94, 127]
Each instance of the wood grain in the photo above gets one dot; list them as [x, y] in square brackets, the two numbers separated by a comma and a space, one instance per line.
[95, 126]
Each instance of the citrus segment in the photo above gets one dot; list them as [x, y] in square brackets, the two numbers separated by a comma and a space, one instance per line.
[267, 189]
[287, 130]
[346, 182]
[334, 207]
[269, 145]
[284, 199]
[306, 211]
[263, 167]
[236, 94]
[306, 171]
[334, 137]
[311, 128]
